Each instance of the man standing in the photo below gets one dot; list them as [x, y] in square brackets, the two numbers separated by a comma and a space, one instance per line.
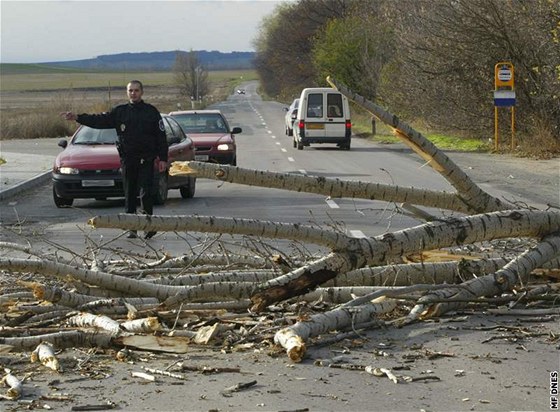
[141, 142]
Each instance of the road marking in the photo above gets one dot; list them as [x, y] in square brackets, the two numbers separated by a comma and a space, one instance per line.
[284, 150]
[357, 234]
[269, 131]
[332, 204]
[291, 159]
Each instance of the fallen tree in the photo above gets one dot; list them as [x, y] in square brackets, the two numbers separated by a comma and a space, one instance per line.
[110, 288]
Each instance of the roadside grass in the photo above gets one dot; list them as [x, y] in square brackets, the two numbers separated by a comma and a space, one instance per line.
[361, 125]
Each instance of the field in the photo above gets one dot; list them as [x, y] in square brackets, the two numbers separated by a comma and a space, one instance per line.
[31, 95]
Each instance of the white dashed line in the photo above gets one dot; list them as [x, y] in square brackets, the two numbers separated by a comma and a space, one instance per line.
[284, 150]
[291, 159]
[357, 234]
[332, 204]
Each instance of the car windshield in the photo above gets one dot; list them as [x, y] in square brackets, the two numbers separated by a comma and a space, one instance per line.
[87, 135]
[201, 123]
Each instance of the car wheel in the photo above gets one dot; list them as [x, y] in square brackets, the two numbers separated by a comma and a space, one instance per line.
[234, 161]
[160, 195]
[61, 201]
[290, 132]
[294, 142]
[187, 191]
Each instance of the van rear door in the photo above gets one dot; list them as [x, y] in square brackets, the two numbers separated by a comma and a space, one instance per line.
[314, 115]
[335, 122]
[325, 115]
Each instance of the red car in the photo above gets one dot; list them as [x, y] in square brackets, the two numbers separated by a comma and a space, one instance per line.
[89, 166]
[213, 139]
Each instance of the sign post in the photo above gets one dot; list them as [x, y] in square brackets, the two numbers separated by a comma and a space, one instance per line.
[504, 96]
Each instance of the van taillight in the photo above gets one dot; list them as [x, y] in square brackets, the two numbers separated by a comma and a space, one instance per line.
[348, 124]
[301, 124]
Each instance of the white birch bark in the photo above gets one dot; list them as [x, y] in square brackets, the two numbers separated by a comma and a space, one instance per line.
[429, 236]
[105, 280]
[473, 196]
[490, 285]
[334, 188]
[88, 320]
[407, 274]
[212, 224]
[293, 337]
[61, 340]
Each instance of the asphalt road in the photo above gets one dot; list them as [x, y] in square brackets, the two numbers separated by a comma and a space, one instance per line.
[480, 371]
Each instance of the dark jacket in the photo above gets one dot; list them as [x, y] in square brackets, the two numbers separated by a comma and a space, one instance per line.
[139, 127]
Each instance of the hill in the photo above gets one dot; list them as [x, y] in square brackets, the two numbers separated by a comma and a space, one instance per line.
[162, 60]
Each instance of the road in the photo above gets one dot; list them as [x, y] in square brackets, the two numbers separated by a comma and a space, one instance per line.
[264, 146]
[477, 370]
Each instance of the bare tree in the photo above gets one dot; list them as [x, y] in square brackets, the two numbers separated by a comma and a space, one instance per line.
[190, 75]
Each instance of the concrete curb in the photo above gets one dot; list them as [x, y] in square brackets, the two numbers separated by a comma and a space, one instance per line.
[28, 184]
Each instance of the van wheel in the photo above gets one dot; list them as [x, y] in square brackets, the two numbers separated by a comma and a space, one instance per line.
[61, 201]
[345, 146]
[299, 145]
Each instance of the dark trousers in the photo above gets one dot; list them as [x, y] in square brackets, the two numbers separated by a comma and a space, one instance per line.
[138, 179]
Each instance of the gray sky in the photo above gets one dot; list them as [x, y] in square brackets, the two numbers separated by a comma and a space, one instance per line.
[53, 30]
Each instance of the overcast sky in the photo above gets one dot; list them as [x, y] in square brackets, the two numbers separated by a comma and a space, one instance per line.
[53, 30]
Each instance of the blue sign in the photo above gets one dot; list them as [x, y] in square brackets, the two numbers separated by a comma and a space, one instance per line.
[504, 98]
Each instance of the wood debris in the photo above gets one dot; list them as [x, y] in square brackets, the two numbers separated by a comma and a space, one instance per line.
[44, 353]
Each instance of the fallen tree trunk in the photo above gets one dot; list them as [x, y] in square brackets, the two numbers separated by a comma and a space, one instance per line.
[477, 199]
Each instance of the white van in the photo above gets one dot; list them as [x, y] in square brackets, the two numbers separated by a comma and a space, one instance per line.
[323, 117]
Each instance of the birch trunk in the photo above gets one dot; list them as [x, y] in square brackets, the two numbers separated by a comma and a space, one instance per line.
[293, 337]
[60, 340]
[407, 274]
[490, 285]
[334, 188]
[381, 249]
[212, 224]
[476, 199]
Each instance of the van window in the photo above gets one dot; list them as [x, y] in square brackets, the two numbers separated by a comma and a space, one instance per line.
[334, 105]
[315, 105]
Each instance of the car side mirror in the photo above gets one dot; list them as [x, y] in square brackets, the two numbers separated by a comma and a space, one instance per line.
[63, 143]
[236, 130]
[173, 140]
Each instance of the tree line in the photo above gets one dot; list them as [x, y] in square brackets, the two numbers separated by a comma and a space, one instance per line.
[428, 61]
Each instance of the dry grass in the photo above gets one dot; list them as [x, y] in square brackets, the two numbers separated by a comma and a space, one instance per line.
[30, 114]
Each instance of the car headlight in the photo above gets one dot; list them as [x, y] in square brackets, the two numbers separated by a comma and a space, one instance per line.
[225, 146]
[68, 171]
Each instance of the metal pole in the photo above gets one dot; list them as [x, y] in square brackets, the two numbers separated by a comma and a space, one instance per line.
[512, 128]
[496, 144]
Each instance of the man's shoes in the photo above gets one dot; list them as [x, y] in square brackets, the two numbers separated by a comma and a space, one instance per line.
[149, 235]
[132, 234]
